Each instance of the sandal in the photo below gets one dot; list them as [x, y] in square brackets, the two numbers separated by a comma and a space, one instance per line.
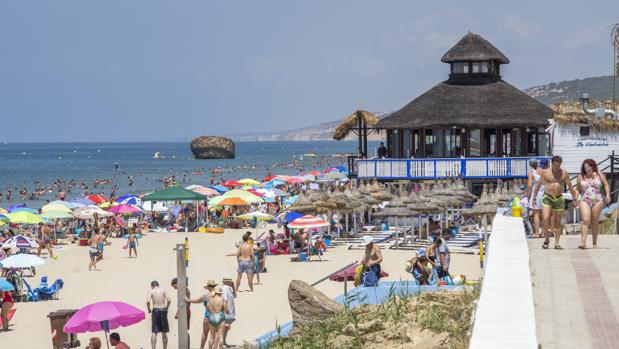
[558, 247]
[581, 247]
[545, 244]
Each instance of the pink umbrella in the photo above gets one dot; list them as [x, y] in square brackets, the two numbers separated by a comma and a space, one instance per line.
[206, 191]
[124, 209]
[103, 316]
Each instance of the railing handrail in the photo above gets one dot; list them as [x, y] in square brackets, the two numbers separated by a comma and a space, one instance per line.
[458, 159]
[335, 272]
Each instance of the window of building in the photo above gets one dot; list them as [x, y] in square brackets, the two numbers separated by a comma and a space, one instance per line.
[531, 142]
[490, 142]
[460, 68]
[475, 142]
[506, 140]
[584, 131]
[517, 142]
[407, 143]
[476, 67]
[396, 143]
[416, 143]
[453, 143]
[485, 67]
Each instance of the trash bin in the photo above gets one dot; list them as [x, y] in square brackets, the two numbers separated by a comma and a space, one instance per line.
[60, 339]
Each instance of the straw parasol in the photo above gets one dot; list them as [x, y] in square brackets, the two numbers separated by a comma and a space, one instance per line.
[352, 122]
[568, 112]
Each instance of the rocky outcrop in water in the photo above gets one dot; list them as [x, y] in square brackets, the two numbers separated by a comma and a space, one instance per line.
[307, 303]
[212, 147]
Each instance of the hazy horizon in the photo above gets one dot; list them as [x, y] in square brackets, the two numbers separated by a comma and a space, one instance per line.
[150, 71]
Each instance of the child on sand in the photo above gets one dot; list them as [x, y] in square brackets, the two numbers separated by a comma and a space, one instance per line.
[132, 242]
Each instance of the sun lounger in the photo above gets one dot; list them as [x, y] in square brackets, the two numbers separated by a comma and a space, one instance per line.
[49, 292]
[32, 295]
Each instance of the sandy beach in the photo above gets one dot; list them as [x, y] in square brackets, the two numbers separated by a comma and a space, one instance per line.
[124, 279]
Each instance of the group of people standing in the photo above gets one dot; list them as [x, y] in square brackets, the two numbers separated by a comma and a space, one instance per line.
[547, 202]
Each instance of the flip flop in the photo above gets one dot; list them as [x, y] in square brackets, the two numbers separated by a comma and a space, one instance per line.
[558, 247]
[545, 244]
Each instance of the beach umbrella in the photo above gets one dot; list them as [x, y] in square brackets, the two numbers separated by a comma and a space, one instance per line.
[103, 316]
[307, 222]
[257, 215]
[291, 200]
[25, 209]
[107, 204]
[257, 193]
[243, 194]
[231, 183]
[97, 199]
[15, 206]
[335, 175]
[20, 241]
[233, 202]
[89, 212]
[56, 215]
[129, 199]
[308, 177]
[219, 188]
[81, 202]
[295, 180]
[202, 190]
[315, 173]
[291, 216]
[274, 182]
[55, 207]
[3, 211]
[268, 178]
[22, 260]
[24, 217]
[173, 194]
[249, 181]
[125, 209]
[6, 286]
[348, 274]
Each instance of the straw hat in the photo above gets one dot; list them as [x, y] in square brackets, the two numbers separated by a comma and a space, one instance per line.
[211, 283]
[219, 290]
[367, 240]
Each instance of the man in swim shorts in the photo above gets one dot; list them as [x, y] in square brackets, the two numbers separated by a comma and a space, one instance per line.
[160, 304]
[553, 204]
[45, 240]
[245, 258]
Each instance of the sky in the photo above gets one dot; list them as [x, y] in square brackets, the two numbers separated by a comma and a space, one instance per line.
[152, 70]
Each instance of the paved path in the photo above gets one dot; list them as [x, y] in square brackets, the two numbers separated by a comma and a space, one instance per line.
[576, 293]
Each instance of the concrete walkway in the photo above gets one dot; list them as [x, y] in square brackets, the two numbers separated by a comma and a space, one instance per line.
[576, 293]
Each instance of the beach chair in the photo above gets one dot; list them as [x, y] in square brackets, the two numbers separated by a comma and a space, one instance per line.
[31, 295]
[49, 292]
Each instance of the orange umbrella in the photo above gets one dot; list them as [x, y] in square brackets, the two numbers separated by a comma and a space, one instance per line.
[233, 202]
[97, 199]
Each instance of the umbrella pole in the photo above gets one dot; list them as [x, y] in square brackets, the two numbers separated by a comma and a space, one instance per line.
[107, 341]
[397, 234]
[346, 221]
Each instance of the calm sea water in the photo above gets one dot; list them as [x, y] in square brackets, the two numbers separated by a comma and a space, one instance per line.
[24, 164]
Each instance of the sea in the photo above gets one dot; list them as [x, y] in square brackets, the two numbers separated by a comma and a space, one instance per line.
[34, 165]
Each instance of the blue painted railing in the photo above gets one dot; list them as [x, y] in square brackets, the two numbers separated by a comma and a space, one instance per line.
[437, 168]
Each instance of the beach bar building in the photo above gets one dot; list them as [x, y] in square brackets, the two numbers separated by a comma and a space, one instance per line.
[473, 125]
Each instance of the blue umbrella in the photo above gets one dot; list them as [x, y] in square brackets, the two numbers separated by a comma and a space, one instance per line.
[82, 201]
[6, 286]
[274, 183]
[127, 197]
[15, 206]
[26, 209]
[291, 200]
[291, 216]
[219, 188]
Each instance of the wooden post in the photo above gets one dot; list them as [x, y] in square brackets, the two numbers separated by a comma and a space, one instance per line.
[181, 274]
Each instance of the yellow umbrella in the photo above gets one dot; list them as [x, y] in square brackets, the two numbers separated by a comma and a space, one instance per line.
[249, 181]
[24, 217]
[108, 204]
[55, 207]
[256, 214]
[3, 211]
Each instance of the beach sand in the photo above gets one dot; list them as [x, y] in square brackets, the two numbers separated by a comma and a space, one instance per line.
[128, 280]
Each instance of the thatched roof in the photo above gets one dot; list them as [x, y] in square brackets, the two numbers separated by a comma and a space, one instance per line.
[350, 122]
[571, 112]
[494, 104]
[472, 47]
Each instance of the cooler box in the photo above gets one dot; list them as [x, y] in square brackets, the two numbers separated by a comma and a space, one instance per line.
[83, 242]
[60, 339]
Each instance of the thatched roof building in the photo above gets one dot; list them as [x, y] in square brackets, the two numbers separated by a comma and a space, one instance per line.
[572, 112]
[473, 113]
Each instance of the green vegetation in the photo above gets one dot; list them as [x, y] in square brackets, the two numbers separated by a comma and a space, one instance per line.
[429, 320]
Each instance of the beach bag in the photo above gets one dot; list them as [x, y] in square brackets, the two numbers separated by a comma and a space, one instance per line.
[358, 275]
[370, 279]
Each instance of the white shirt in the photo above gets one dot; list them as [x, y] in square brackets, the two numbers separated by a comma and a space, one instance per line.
[229, 298]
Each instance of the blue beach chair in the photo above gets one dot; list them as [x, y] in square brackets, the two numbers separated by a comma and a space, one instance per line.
[32, 295]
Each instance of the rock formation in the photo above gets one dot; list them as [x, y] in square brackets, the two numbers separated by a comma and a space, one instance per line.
[307, 303]
[212, 147]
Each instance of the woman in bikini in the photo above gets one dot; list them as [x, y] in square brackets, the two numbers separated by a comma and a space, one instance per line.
[589, 185]
[205, 299]
[217, 307]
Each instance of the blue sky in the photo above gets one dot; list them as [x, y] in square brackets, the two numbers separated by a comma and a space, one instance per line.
[148, 70]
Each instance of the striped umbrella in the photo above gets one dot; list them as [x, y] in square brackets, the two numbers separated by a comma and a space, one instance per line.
[20, 241]
[308, 222]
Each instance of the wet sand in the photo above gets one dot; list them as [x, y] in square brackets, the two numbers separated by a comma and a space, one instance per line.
[211, 257]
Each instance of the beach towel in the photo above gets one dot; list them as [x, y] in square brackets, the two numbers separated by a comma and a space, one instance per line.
[9, 315]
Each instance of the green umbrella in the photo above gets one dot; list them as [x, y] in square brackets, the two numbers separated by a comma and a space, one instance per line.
[173, 194]
[56, 215]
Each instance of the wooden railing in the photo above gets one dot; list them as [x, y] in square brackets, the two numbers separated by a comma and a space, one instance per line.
[436, 168]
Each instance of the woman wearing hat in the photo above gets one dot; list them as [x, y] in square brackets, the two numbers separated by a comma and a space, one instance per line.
[205, 299]
[372, 257]
[535, 205]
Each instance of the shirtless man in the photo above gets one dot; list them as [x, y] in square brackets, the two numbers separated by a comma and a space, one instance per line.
[245, 258]
[372, 256]
[160, 304]
[45, 240]
[553, 204]
[93, 250]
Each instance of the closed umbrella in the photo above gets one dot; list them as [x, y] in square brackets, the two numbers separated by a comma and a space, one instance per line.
[22, 260]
